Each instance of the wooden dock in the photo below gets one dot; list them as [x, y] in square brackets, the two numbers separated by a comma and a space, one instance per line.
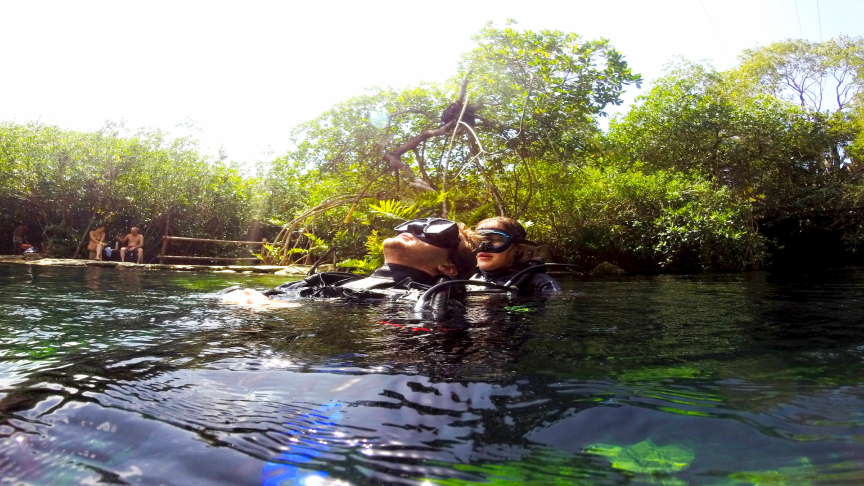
[36, 259]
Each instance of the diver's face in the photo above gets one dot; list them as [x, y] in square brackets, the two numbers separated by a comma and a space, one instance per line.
[496, 261]
[405, 249]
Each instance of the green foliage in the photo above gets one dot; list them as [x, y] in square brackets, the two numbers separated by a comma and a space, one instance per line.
[814, 75]
[374, 257]
[767, 151]
[660, 221]
[688, 180]
[782, 132]
[393, 209]
[65, 182]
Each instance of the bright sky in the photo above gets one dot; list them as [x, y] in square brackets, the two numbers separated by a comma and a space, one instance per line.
[248, 72]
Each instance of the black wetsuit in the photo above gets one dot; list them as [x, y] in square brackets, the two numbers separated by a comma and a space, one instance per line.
[539, 282]
[391, 281]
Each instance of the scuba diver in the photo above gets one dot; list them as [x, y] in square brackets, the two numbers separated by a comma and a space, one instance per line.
[425, 252]
[499, 257]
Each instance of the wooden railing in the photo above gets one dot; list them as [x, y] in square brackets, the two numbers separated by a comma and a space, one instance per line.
[163, 255]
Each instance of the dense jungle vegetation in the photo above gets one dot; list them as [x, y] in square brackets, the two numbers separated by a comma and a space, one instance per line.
[709, 170]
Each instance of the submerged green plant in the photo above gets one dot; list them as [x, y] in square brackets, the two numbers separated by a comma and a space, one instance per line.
[518, 308]
[655, 374]
[43, 353]
[805, 474]
[542, 467]
[645, 457]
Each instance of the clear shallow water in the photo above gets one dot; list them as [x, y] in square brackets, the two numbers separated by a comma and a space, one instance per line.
[131, 377]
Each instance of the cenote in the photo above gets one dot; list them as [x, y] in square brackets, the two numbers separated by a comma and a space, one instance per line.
[136, 377]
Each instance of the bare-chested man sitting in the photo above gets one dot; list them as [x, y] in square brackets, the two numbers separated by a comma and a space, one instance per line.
[19, 237]
[134, 242]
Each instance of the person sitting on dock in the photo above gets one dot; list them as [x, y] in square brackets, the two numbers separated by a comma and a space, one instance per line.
[19, 237]
[134, 242]
[423, 253]
[97, 242]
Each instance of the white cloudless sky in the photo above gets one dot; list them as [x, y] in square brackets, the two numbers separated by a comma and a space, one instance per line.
[248, 72]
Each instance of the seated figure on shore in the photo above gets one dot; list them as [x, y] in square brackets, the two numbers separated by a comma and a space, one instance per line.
[19, 237]
[133, 242]
[97, 242]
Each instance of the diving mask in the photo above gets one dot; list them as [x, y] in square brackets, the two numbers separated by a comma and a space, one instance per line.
[442, 233]
[494, 241]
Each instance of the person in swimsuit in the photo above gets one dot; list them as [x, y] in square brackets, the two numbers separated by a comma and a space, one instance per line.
[19, 237]
[134, 242]
[97, 241]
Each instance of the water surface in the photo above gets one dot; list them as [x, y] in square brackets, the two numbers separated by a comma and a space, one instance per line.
[136, 377]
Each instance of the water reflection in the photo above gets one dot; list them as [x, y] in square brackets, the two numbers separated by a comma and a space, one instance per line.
[696, 379]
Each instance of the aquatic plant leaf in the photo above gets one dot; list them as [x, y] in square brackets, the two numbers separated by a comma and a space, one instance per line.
[645, 457]
[654, 374]
[44, 353]
[541, 468]
[806, 474]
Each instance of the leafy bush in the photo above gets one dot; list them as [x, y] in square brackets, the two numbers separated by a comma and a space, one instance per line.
[651, 222]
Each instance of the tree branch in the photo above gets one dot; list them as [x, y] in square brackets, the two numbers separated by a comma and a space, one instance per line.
[421, 164]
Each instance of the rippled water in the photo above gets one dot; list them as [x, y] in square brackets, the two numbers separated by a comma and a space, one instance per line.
[134, 377]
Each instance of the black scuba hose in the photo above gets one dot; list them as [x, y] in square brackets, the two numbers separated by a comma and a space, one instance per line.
[535, 268]
[421, 303]
[508, 286]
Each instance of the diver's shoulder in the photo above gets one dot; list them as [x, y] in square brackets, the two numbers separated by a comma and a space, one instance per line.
[545, 283]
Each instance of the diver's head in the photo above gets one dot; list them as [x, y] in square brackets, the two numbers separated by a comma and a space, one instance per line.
[134, 231]
[503, 243]
[432, 245]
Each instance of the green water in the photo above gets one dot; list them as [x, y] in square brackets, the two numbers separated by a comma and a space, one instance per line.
[135, 377]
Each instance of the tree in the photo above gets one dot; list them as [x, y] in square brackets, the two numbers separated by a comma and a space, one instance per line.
[526, 102]
[69, 182]
[815, 75]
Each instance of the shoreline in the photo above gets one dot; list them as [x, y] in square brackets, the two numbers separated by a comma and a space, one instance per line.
[296, 270]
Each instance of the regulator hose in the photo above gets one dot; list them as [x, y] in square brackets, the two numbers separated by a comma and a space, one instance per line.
[509, 286]
[536, 269]
[421, 302]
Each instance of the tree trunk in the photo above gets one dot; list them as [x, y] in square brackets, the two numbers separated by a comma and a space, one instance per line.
[86, 237]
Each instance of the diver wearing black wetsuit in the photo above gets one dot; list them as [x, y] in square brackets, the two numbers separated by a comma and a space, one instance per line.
[536, 282]
[425, 252]
[389, 281]
[499, 253]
